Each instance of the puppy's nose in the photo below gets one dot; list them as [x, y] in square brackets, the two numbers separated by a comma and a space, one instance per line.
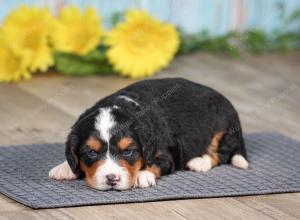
[112, 179]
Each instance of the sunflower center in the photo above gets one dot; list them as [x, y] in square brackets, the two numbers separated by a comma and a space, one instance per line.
[78, 37]
[140, 38]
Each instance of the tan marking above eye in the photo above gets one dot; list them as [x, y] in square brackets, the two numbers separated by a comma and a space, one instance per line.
[124, 143]
[94, 144]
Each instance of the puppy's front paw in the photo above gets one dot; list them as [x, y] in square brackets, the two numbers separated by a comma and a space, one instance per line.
[62, 172]
[145, 179]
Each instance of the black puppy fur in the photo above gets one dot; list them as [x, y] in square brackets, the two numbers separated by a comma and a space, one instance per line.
[172, 120]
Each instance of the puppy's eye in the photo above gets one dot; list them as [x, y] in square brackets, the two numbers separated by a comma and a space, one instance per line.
[92, 154]
[127, 152]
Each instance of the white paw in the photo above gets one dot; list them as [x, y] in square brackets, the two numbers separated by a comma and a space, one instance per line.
[145, 179]
[200, 164]
[239, 161]
[62, 172]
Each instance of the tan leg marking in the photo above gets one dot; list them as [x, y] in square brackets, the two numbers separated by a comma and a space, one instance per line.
[212, 149]
[208, 160]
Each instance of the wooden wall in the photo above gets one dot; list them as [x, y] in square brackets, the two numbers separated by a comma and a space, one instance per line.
[217, 16]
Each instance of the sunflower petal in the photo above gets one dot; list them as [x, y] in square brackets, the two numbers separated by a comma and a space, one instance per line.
[141, 45]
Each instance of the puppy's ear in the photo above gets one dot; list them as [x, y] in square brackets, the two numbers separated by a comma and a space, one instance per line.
[153, 133]
[148, 141]
[71, 152]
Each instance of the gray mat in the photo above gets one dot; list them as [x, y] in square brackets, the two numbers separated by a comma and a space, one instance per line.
[274, 161]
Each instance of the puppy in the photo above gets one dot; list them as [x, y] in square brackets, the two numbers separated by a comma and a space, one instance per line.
[150, 129]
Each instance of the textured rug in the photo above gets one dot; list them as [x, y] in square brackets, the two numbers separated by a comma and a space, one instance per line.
[274, 168]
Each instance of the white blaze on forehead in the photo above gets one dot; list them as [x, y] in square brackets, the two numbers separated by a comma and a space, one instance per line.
[104, 123]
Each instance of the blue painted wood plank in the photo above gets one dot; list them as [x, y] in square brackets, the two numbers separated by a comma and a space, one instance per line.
[216, 16]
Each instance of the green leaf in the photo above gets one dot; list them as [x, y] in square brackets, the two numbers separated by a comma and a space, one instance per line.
[115, 18]
[256, 41]
[95, 55]
[93, 63]
[286, 41]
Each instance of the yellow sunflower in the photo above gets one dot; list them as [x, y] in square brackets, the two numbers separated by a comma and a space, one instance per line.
[76, 32]
[28, 30]
[141, 45]
[13, 65]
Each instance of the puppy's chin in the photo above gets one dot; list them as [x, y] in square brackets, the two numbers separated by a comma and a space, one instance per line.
[105, 187]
